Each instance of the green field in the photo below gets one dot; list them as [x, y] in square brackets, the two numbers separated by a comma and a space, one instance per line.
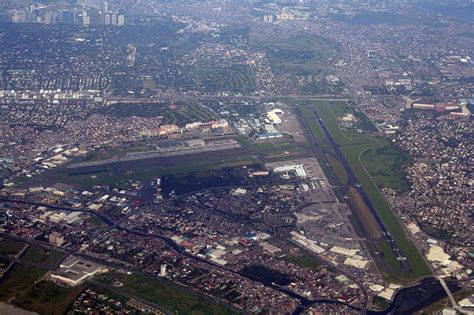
[329, 113]
[415, 260]
[385, 165]
[179, 114]
[166, 294]
[363, 214]
[380, 303]
[39, 255]
[445, 302]
[338, 169]
[389, 259]
[107, 153]
[46, 297]
[109, 176]
[9, 247]
[215, 78]
[353, 145]
[299, 55]
[21, 278]
[331, 176]
[310, 120]
[98, 223]
[304, 259]
[284, 146]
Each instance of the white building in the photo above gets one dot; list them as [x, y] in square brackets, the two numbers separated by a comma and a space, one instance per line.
[105, 7]
[75, 270]
[298, 169]
[268, 18]
[121, 20]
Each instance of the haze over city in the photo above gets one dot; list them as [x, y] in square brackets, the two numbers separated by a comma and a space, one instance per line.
[236, 157]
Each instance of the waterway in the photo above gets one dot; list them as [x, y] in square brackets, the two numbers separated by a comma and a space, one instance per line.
[406, 301]
[413, 299]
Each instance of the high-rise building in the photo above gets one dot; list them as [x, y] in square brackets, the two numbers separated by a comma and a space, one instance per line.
[47, 18]
[105, 7]
[31, 14]
[107, 19]
[63, 16]
[66, 17]
[54, 17]
[121, 20]
[19, 17]
[86, 20]
[114, 19]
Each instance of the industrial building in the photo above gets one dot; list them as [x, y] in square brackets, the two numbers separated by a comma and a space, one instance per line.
[298, 169]
[74, 270]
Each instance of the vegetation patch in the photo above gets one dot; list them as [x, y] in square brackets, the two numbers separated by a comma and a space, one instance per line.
[10, 247]
[299, 55]
[311, 121]
[304, 259]
[363, 214]
[385, 166]
[21, 278]
[39, 255]
[338, 169]
[166, 294]
[179, 114]
[45, 297]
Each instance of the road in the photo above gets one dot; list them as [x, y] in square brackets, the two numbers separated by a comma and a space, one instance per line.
[448, 292]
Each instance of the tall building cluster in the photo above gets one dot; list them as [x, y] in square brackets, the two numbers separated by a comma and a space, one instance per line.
[101, 14]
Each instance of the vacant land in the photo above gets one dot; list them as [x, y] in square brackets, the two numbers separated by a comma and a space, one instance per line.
[166, 294]
[299, 55]
[9, 247]
[310, 120]
[330, 113]
[363, 213]
[304, 259]
[179, 114]
[148, 169]
[390, 261]
[39, 255]
[20, 279]
[233, 78]
[380, 303]
[338, 169]
[47, 298]
[386, 165]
